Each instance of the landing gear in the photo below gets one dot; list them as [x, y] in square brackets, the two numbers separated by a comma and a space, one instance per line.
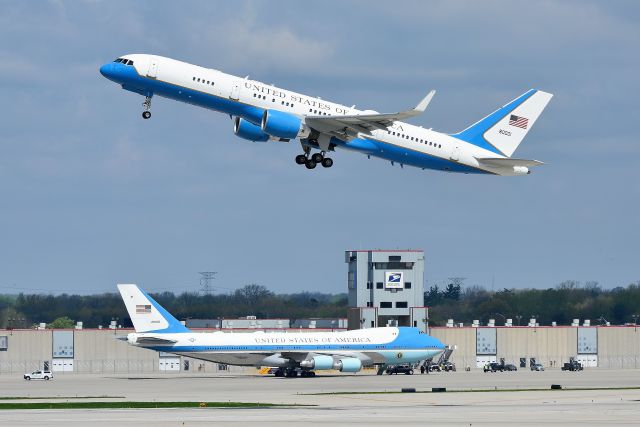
[307, 374]
[146, 114]
[312, 160]
[279, 372]
[291, 373]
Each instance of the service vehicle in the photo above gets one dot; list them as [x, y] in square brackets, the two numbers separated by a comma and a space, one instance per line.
[38, 375]
[573, 365]
[400, 369]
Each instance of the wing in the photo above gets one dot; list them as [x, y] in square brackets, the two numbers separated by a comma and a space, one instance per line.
[365, 122]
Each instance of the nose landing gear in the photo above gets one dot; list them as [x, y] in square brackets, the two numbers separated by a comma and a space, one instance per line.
[146, 114]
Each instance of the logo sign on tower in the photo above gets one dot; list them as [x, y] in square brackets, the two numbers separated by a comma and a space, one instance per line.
[393, 280]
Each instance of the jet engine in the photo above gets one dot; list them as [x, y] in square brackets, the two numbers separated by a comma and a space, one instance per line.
[350, 364]
[318, 362]
[247, 130]
[282, 125]
[521, 170]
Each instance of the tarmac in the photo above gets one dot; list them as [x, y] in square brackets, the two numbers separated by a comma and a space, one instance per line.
[505, 399]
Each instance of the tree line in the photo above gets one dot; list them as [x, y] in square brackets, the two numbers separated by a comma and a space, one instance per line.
[567, 301]
[25, 310]
[562, 304]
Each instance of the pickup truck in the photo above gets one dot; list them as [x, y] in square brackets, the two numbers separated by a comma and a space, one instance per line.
[38, 375]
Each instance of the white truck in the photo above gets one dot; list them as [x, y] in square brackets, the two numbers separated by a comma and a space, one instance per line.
[38, 375]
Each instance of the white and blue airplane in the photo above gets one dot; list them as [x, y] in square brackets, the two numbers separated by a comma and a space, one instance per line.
[263, 112]
[291, 352]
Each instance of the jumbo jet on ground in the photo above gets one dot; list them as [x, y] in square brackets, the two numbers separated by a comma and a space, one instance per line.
[263, 112]
[291, 352]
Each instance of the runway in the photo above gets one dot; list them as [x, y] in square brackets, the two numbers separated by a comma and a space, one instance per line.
[359, 406]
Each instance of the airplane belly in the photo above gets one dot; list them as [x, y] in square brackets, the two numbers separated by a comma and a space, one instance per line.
[238, 359]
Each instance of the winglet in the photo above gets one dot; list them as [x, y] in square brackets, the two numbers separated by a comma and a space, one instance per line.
[425, 101]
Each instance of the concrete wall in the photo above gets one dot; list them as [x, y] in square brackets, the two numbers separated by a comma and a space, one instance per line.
[618, 346]
[98, 351]
[27, 350]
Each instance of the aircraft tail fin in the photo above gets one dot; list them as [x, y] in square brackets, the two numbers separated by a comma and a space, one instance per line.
[146, 314]
[503, 130]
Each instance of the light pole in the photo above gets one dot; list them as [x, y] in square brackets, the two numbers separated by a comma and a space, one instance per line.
[518, 317]
[635, 321]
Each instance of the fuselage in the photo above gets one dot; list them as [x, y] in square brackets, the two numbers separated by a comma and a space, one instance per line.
[371, 346]
[248, 99]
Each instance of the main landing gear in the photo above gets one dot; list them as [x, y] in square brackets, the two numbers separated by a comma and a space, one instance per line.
[310, 161]
[147, 106]
[293, 373]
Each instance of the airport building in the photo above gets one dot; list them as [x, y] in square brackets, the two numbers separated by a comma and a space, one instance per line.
[386, 288]
[100, 351]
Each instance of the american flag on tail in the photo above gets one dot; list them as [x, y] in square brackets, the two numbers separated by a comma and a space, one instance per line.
[519, 122]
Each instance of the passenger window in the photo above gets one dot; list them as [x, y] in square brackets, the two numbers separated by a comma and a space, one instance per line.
[194, 79]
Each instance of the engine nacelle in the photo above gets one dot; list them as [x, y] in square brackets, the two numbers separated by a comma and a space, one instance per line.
[350, 364]
[247, 130]
[282, 125]
[318, 362]
[521, 170]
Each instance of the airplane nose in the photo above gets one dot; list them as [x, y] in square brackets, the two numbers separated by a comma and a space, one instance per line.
[108, 70]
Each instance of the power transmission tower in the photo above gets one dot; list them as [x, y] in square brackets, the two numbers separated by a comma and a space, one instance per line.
[206, 281]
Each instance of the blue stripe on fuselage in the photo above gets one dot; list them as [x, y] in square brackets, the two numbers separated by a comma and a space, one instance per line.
[396, 153]
[132, 81]
[407, 339]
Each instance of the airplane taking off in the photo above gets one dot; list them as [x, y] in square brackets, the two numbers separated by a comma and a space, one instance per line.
[290, 352]
[263, 113]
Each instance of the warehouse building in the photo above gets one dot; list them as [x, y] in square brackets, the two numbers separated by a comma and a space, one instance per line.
[593, 346]
[99, 351]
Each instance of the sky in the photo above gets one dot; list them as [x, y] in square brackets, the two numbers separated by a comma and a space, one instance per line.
[92, 195]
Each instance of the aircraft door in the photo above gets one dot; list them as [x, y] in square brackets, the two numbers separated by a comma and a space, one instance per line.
[235, 91]
[455, 154]
[153, 68]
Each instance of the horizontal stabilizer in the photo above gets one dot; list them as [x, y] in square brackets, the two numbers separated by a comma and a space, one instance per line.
[154, 340]
[501, 162]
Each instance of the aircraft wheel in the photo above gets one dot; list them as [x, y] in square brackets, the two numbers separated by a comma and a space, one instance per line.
[310, 164]
[146, 114]
[327, 162]
[317, 157]
[312, 374]
[301, 159]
